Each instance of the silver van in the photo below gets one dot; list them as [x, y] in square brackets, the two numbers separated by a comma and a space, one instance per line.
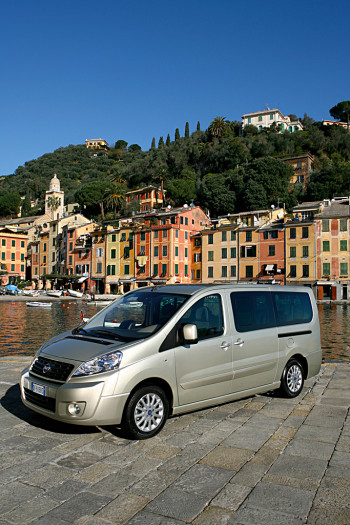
[165, 350]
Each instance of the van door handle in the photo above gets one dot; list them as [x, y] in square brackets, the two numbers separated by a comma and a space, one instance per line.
[240, 342]
[225, 346]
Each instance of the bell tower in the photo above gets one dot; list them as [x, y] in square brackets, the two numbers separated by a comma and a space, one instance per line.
[54, 199]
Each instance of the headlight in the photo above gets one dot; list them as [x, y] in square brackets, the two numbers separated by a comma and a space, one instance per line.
[103, 363]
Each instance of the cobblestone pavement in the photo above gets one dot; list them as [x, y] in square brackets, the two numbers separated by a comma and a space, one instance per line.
[261, 460]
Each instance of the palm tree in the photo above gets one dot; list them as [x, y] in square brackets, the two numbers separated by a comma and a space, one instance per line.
[115, 195]
[217, 126]
[53, 202]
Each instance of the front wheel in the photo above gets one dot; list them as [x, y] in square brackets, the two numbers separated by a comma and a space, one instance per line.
[146, 413]
[292, 380]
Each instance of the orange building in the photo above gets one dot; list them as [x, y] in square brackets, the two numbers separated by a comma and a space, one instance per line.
[146, 198]
[13, 246]
[272, 258]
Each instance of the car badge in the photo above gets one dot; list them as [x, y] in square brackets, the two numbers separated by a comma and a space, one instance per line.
[46, 368]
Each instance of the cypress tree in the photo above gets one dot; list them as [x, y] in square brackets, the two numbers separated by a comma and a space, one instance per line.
[153, 145]
[161, 142]
[198, 126]
[168, 140]
[187, 131]
[177, 134]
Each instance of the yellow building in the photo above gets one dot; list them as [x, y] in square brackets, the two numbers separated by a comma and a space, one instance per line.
[96, 144]
[126, 258]
[300, 249]
[112, 259]
[249, 251]
[219, 254]
[196, 252]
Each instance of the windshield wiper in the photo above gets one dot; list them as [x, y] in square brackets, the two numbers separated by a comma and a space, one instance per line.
[79, 330]
[108, 334]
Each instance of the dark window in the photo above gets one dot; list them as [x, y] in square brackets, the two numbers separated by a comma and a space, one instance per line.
[305, 232]
[233, 235]
[156, 251]
[248, 236]
[305, 270]
[292, 308]
[223, 271]
[305, 251]
[293, 251]
[233, 271]
[292, 233]
[210, 271]
[143, 236]
[249, 271]
[293, 271]
[224, 253]
[252, 311]
[272, 249]
[224, 236]
[325, 225]
[210, 238]
[233, 253]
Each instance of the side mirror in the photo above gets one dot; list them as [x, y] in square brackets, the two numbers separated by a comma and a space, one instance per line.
[190, 334]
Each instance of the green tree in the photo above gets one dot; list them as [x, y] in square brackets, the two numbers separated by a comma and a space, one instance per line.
[91, 196]
[183, 189]
[177, 135]
[161, 142]
[168, 141]
[341, 111]
[10, 204]
[198, 126]
[115, 196]
[153, 143]
[53, 202]
[187, 131]
[215, 195]
[26, 206]
[217, 126]
[134, 148]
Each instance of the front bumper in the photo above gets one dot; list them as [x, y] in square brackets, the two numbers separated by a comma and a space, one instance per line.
[55, 400]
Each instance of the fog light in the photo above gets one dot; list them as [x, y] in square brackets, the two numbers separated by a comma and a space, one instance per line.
[74, 409]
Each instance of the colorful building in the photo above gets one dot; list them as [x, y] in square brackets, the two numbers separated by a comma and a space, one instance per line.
[302, 166]
[13, 249]
[300, 242]
[333, 261]
[272, 253]
[268, 117]
[96, 144]
[146, 198]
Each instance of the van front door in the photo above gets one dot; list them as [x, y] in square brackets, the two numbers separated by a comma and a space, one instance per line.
[255, 340]
[204, 369]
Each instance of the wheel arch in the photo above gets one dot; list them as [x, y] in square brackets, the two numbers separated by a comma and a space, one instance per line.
[156, 381]
[303, 362]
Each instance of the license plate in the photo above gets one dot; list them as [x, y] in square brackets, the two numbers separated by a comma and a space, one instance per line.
[38, 389]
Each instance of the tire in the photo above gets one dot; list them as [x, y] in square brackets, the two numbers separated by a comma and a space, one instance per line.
[146, 413]
[292, 380]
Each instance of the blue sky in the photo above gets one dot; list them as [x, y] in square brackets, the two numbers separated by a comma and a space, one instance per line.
[135, 70]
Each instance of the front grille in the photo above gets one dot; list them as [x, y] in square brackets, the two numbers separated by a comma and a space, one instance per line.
[51, 369]
[48, 403]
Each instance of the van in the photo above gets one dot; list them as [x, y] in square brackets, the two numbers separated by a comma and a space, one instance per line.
[165, 350]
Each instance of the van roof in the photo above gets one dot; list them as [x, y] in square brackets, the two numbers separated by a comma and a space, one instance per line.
[192, 289]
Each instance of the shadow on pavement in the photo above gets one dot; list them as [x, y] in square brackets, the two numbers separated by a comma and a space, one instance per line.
[12, 402]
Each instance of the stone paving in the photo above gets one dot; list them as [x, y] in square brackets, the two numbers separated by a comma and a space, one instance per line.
[261, 460]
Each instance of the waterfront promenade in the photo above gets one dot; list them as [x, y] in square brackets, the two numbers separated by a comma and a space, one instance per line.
[262, 460]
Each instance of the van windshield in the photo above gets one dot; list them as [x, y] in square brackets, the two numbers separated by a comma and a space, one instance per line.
[134, 316]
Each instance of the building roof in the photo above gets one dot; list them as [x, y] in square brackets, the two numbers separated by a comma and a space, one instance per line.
[264, 111]
[308, 206]
[336, 209]
[145, 188]
[19, 220]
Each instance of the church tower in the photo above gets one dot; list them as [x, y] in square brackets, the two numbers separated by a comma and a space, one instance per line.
[54, 199]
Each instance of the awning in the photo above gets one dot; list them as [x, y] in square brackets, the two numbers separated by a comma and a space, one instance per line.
[82, 279]
[269, 267]
[141, 260]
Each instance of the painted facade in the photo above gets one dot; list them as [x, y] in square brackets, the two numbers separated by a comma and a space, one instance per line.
[13, 250]
[269, 117]
[300, 240]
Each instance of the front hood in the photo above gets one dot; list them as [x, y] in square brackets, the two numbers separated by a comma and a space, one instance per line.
[80, 348]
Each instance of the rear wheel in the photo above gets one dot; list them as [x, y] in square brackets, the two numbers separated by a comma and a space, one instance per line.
[292, 380]
[146, 412]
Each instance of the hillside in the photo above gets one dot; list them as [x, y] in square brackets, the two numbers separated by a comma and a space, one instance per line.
[216, 168]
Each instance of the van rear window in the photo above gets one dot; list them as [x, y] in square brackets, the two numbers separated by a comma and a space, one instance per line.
[259, 310]
[292, 308]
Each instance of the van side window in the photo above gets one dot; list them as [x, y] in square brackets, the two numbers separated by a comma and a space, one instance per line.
[252, 311]
[292, 308]
[206, 314]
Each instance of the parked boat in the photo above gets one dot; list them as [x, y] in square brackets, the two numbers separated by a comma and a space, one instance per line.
[30, 293]
[75, 293]
[54, 293]
[38, 304]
